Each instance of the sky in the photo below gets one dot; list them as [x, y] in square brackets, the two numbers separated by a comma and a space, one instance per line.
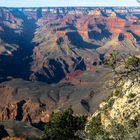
[58, 3]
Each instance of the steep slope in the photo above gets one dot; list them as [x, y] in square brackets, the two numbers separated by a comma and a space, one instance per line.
[16, 49]
[117, 118]
[81, 41]
[47, 44]
[34, 101]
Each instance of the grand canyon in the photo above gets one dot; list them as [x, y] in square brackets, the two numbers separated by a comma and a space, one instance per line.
[53, 58]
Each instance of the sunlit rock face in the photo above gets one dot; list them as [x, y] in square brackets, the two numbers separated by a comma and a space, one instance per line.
[121, 108]
[47, 44]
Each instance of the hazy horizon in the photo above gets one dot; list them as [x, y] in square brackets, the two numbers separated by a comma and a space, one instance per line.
[70, 3]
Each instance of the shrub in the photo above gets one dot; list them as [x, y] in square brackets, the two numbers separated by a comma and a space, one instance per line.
[64, 125]
[117, 91]
[95, 129]
[124, 68]
[111, 102]
[131, 95]
[132, 62]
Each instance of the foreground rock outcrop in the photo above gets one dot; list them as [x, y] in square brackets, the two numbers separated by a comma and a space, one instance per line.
[119, 116]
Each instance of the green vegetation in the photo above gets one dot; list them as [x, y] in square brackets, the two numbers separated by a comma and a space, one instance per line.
[132, 62]
[131, 95]
[95, 127]
[124, 68]
[101, 126]
[94, 130]
[117, 91]
[111, 102]
[130, 130]
[63, 125]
